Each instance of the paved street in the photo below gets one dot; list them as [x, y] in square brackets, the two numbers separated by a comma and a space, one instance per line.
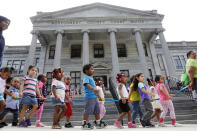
[78, 128]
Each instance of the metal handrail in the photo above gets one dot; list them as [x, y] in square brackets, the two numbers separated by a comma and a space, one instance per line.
[175, 84]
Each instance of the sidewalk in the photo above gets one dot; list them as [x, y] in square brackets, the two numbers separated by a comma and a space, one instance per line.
[109, 128]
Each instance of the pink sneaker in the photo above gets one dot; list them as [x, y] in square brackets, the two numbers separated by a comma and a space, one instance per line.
[131, 125]
[118, 125]
[38, 124]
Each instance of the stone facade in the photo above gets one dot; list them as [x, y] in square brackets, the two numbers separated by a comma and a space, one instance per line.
[112, 38]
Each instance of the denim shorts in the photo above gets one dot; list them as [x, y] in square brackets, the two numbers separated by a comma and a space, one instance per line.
[91, 106]
[28, 100]
[55, 103]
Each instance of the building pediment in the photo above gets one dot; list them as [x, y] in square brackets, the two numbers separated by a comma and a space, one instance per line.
[99, 65]
[97, 10]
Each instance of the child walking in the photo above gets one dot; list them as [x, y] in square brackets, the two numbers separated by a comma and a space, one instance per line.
[156, 102]
[145, 100]
[4, 74]
[12, 105]
[28, 91]
[69, 112]
[91, 102]
[43, 92]
[121, 80]
[101, 97]
[8, 84]
[58, 96]
[166, 102]
[134, 97]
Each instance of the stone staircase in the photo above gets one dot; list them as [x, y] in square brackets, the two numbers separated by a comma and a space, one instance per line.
[185, 109]
[78, 109]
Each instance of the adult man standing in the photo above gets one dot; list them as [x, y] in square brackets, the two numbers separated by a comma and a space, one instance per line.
[191, 69]
[4, 23]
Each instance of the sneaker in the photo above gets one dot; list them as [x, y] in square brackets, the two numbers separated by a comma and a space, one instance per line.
[14, 123]
[118, 125]
[177, 125]
[38, 124]
[104, 124]
[3, 123]
[149, 124]
[60, 127]
[131, 125]
[28, 122]
[162, 125]
[100, 125]
[22, 124]
[143, 123]
[87, 126]
[68, 125]
[56, 127]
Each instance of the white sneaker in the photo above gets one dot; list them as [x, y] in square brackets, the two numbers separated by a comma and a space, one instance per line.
[162, 125]
[177, 125]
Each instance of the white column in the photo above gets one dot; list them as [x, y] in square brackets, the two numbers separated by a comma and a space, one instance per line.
[166, 52]
[31, 56]
[141, 51]
[58, 48]
[85, 47]
[154, 58]
[114, 53]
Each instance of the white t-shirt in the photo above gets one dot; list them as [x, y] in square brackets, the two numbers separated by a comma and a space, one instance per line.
[2, 85]
[124, 91]
[60, 89]
[101, 94]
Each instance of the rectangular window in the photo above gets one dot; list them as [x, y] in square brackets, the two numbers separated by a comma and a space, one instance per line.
[52, 52]
[36, 61]
[177, 62]
[160, 60]
[16, 65]
[22, 66]
[9, 63]
[121, 50]
[98, 51]
[183, 61]
[76, 80]
[76, 51]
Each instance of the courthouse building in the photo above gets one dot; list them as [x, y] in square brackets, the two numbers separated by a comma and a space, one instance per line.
[114, 39]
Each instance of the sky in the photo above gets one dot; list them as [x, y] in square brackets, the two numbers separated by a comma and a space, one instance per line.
[180, 19]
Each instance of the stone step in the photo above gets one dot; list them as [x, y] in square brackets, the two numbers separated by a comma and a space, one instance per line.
[112, 112]
[114, 116]
[111, 121]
